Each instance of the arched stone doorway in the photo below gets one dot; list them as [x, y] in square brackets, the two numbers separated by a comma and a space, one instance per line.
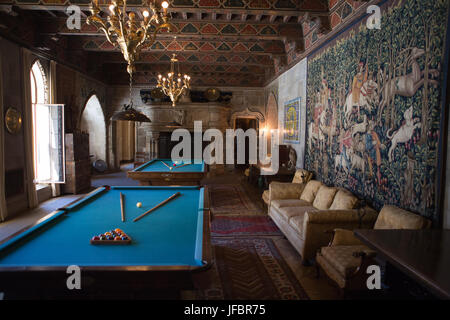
[247, 114]
[93, 122]
[245, 120]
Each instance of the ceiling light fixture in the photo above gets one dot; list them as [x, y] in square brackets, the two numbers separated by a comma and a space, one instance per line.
[174, 85]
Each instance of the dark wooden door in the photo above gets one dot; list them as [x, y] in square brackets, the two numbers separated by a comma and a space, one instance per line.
[244, 124]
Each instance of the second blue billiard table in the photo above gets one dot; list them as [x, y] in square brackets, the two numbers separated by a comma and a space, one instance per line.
[163, 172]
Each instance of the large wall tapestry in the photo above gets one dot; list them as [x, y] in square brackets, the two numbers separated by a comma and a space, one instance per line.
[374, 103]
[292, 121]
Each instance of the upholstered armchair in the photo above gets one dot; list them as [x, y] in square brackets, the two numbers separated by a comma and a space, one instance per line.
[293, 189]
[345, 259]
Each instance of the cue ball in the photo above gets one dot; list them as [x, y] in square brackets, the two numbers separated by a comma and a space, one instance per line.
[139, 204]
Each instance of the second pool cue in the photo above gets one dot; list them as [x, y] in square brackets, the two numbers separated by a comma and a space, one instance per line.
[186, 164]
[166, 165]
[157, 206]
[122, 208]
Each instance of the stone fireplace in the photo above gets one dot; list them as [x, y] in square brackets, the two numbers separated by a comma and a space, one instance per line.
[153, 139]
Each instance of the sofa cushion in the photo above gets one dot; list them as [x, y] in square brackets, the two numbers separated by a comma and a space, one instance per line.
[289, 213]
[302, 176]
[282, 203]
[310, 191]
[392, 217]
[324, 197]
[296, 222]
[342, 259]
[344, 200]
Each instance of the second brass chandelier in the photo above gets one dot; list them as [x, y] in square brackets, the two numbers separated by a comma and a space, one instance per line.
[174, 85]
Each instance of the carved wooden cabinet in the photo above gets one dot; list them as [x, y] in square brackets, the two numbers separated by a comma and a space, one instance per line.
[78, 164]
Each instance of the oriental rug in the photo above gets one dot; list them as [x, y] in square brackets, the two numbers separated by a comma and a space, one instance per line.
[231, 199]
[241, 225]
[249, 268]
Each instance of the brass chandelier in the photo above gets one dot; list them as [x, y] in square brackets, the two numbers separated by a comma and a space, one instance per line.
[174, 85]
[123, 30]
[131, 36]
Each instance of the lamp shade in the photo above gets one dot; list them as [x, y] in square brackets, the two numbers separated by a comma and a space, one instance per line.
[173, 124]
[130, 114]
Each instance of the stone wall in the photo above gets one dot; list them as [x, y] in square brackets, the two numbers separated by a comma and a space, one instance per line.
[14, 144]
[212, 114]
[291, 85]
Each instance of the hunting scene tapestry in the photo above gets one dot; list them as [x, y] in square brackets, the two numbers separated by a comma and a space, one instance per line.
[374, 104]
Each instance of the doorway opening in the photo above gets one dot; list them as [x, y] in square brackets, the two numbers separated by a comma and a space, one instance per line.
[244, 124]
[93, 122]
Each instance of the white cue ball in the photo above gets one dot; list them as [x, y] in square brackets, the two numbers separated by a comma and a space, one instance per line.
[139, 204]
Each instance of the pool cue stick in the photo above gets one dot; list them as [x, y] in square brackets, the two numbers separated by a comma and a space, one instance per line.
[122, 209]
[186, 164]
[166, 165]
[157, 206]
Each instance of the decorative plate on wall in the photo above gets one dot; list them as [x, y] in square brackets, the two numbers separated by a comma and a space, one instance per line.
[157, 93]
[13, 120]
[212, 94]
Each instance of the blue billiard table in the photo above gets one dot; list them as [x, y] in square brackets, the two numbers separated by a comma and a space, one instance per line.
[162, 172]
[167, 245]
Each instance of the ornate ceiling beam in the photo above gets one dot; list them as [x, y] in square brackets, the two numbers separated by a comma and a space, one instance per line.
[48, 5]
[234, 28]
[190, 65]
[211, 53]
[207, 80]
[195, 74]
[188, 58]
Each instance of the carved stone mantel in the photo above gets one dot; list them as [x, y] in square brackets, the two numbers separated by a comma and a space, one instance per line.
[248, 114]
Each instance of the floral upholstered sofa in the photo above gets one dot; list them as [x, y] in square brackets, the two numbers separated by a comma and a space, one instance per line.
[308, 212]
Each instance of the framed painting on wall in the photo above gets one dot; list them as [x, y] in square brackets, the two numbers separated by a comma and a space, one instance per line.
[291, 132]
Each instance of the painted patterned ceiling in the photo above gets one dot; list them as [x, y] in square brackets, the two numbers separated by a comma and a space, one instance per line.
[243, 43]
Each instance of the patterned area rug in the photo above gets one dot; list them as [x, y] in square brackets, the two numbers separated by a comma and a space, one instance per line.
[231, 199]
[247, 263]
[243, 226]
[249, 268]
